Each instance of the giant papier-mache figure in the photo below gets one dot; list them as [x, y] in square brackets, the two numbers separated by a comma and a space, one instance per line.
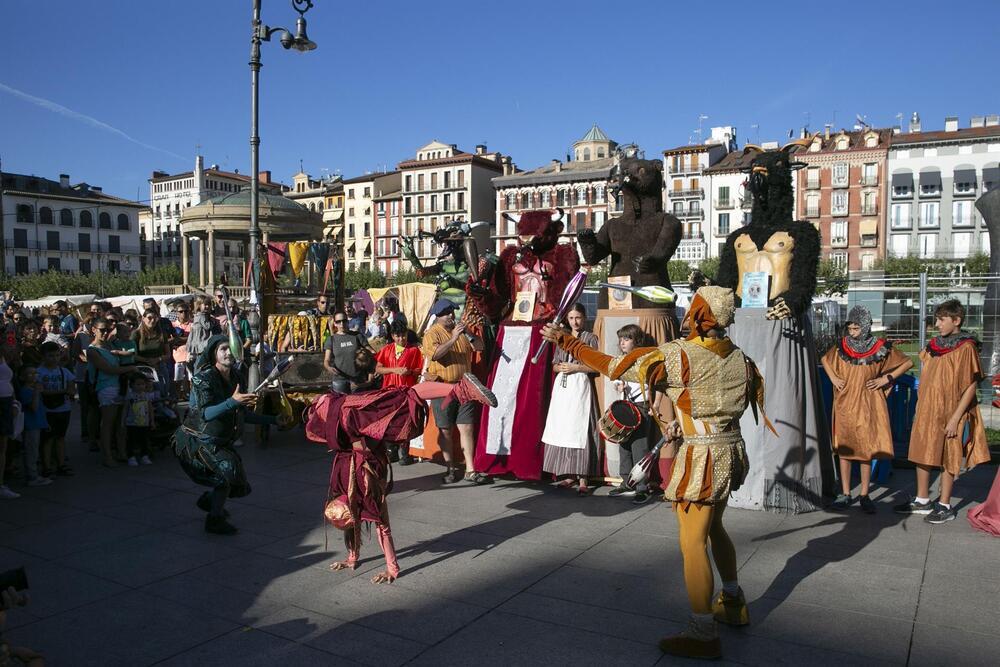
[793, 470]
[463, 264]
[638, 243]
[509, 438]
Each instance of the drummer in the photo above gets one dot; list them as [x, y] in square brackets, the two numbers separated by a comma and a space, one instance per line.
[633, 448]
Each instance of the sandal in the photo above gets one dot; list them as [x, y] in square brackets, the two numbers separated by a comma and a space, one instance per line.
[566, 483]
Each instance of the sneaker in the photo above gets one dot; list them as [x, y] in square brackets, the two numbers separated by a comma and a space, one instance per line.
[145, 460]
[641, 497]
[621, 492]
[867, 505]
[941, 514]
[913, 507]
[7, 494]
[731, 610]
[39, 481]
[842, 502]
[451, 476]
[470, 389]
[478, 478]
[132, 462]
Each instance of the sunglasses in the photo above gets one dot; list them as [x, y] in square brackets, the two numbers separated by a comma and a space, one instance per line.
[340, 321]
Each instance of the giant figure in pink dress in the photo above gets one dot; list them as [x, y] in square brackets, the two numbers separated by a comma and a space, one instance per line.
[510, 437]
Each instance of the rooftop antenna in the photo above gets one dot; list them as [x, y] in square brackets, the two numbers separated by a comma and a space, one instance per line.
[701, 117]
[300, 166]
[808, 119]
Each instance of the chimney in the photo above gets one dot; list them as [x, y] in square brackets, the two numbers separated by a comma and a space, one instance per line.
[915, 122]
[507, 167]
[951, 124]
[556, 165]
[480, 149]
[992, 120]
[977, 121]
[826, 132]
[264, 176]
[64, 180]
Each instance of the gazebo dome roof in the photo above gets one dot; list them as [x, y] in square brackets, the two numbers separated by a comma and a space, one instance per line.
[242, 198]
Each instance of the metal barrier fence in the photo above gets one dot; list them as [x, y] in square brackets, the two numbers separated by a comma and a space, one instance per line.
[902, 309]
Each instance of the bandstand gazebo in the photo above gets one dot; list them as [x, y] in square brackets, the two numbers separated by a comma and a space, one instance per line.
[227, 218]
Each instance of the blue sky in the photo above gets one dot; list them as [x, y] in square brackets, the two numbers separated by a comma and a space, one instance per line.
[138, 84]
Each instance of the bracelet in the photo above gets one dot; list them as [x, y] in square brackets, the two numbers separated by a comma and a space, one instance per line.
[889, 379]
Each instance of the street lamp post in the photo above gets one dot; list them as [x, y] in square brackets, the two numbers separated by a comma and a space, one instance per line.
[300, 42]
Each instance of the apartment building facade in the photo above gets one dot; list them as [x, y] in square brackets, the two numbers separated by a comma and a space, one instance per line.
[934, 180]
[842, 191]
[50, 225]
[442, 184]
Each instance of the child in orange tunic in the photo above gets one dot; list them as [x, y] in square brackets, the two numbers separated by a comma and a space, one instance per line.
[861, 368]
[946, 405]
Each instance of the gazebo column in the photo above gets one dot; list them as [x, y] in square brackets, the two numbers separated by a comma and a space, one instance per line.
[201, 262]
[184, 260]
[210, 249]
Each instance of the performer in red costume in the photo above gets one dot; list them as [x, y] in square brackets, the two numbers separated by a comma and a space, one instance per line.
[528, 283]
[356, 428]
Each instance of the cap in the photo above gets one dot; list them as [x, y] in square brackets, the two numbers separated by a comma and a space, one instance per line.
[442, 306]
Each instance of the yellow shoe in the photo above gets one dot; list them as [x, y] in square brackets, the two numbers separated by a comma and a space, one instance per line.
[731, 610]
[697, 641]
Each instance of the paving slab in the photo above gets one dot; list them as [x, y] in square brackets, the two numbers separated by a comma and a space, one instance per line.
[249, 647]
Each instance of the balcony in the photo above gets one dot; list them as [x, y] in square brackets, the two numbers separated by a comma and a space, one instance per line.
[869, 180]
[902, 193]
[869, 210]
[685, 169]
[930, 222]
[869, 241]
[839, 212]
[721, 231]
[931, 192]
[747, 203]
[838, 241]
[678, 194]
[724, 204]
[839, 183]
[965, 221]
[691, 215]
[812, 184]
[965, 192]
[900, 223]
[20, 245]
[693, 236]
[812, 211]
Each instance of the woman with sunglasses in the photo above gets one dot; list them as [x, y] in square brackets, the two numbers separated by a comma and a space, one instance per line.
[152, 349]
[104, 370]
[339, 351]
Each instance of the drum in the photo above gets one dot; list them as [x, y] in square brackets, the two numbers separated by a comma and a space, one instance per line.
[620, 420]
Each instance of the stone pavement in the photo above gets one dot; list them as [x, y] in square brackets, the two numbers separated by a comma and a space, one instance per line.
[122, 574]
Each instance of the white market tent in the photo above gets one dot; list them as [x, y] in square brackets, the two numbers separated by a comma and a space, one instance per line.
[164, 301]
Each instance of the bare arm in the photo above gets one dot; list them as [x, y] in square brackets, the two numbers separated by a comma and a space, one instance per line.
[101, 364]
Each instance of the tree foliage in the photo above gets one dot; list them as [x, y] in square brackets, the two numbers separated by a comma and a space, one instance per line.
[678, 270]
[709, 267]
[103, 284]
[831, 278]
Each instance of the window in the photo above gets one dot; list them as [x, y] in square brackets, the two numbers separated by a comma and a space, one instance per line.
[52, 240]
[83, 242]
[420, 204]
[581, 220]
[723, 197]
[434, 180]
[104, 220]
[546, 197]
[350, 193]
[840, 171]
[381, 208]
[599, 219]
[461, 178]
[54, 264]
[25, 214]
[368, 229]
[85, 266]
[408, 206]
[869, 174]
[20, 238]
[926, 243]
[867, 261]
[839, 203]
[461, 200]
[420, 181]
[678, 208]
[840, 259]
[929, 214]
[20, 265]
[723, 229]
[961, 214]
[45, 215]
[394, 225]
[114, 266]
[965, 186]
[586, 154]
[812, 205]
[368, 193]
[123, 224]
[66, 217]
[446, 202]
[961, 245]
[394, 247]
[868, 203]
[114, 244]
[838, 233]
[560, 197]
[225, 249]
[812, 178]
[511, 201]
[409, 182]
[434, 202]
[350, 231]
[598, 194]
[350, 212]
[446, 177]
[842, 143]
[900, 218]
